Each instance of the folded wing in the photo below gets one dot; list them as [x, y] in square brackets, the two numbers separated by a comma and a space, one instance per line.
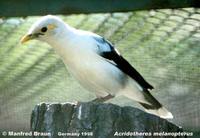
[107, 50]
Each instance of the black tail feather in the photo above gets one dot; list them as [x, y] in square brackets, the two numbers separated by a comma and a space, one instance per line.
[154, 104]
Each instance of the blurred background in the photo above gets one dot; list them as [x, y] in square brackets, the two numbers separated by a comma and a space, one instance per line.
[163, 45]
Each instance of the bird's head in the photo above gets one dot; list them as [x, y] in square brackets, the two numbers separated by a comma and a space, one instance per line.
[44, 29]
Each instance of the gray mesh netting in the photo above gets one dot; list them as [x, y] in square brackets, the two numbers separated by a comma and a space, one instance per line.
[163, 45]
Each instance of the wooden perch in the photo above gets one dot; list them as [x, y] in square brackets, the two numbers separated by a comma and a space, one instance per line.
[94, 120]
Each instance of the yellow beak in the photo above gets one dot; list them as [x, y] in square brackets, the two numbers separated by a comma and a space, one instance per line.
[26, 38]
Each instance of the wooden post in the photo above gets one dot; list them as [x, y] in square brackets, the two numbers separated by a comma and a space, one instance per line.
[95, 120]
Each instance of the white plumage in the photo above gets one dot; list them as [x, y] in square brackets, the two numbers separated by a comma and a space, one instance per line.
[95, 63]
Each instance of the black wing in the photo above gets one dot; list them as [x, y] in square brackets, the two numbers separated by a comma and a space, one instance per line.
[108, 51]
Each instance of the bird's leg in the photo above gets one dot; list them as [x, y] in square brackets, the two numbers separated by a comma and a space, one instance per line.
[103, 99]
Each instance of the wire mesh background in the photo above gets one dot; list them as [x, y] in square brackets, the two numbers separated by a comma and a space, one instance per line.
[163, 45]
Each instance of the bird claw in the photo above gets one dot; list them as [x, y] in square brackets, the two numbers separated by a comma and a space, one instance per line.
[97, 100]
[103, 99]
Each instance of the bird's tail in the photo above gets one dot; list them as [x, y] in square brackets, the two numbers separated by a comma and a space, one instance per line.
[162, 112]
[155, 107]
[145, 98]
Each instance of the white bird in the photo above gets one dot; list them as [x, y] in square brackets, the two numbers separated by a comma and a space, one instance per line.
[95, 63]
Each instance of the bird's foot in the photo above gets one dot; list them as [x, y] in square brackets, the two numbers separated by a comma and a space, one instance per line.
[103, 99]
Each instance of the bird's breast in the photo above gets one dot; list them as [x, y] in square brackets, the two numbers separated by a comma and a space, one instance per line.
[91, 70]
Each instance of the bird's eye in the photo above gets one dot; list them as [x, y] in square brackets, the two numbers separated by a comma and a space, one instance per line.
[44, 29]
